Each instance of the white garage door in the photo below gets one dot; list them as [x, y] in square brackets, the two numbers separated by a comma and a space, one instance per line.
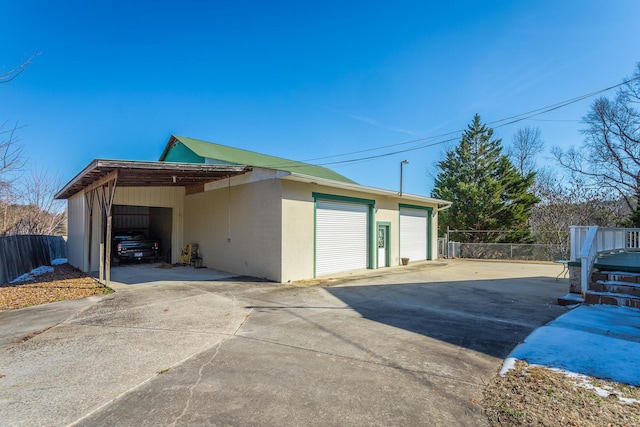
[342, 237]
[413, 234]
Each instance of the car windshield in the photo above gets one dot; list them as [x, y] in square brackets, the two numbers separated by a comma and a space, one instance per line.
[130, 235]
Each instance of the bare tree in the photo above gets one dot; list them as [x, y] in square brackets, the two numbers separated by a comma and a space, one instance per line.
[570, 202]
[610, 155]
[27, 205]
[11, 156]
[9, 75]
[11, 163]
[525, 145]
[39, 212]
[34, 209]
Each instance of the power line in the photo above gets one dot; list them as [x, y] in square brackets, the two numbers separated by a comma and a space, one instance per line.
[495, 124]
[554, 120]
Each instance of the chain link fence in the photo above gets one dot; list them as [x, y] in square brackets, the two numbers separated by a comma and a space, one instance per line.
[514, 251]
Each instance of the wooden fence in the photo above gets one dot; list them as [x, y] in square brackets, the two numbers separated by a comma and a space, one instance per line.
[21, 254]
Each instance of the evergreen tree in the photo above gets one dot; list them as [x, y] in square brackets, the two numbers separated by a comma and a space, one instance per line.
[487, 191]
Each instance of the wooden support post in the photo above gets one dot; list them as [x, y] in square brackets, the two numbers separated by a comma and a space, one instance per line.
[101, 206]
[89, 198]
[101, 267]
[108, 251]
[106, 194]
[111, 190]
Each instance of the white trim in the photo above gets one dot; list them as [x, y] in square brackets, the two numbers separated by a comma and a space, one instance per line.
[261, 174]
[257, 174]
[441, 204]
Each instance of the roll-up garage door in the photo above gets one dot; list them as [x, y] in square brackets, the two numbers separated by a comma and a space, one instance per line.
[413, 234]
[342, 237]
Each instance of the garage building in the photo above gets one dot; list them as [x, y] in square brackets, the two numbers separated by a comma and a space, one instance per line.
[250, 214]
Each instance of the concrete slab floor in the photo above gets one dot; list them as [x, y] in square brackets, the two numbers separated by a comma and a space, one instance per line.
[139, 274]
[404, 347]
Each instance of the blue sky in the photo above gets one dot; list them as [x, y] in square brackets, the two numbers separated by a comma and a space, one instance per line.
[303, 80]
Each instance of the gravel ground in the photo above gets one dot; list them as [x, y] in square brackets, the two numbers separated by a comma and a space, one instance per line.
[531, 395]
[64, 283]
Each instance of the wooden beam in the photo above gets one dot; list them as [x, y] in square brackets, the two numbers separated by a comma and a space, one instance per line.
[101, 267]
[193, 189]
[111, 176]
[108, 252]
[106, 192]
[111, 189]
[89, 198]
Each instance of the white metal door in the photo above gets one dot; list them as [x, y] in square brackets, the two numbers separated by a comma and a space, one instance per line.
[342, 237]
[413, 234]
[382, 246]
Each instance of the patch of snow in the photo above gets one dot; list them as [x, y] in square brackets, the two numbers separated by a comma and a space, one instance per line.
[620, 297]
[572, 297]
[596, 340]
[59, 261]
[619, 283]
[509, 364]
[627, 400]
[579, 380]
[41, 270]
[24, 278]
[606, 392]
[31, 276]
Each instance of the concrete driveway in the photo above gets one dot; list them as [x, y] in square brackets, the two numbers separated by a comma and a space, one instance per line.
[408, 346]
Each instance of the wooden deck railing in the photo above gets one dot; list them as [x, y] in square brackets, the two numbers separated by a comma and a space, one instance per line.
[633, 239]
[588, 242]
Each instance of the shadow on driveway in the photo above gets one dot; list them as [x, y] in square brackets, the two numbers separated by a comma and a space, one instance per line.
[411, 347]
[488, 316]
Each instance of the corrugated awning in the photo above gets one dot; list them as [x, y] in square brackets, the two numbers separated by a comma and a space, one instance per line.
[150, 174]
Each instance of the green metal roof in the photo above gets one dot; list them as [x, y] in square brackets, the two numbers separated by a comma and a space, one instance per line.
[197, 151]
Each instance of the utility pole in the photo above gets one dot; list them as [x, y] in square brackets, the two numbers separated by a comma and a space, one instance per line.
[402, 163]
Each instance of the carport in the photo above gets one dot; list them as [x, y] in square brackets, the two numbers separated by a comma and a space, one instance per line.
[249, 213]
[154, 185]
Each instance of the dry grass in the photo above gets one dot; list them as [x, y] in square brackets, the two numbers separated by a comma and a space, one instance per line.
[64, 283]
[531, 395]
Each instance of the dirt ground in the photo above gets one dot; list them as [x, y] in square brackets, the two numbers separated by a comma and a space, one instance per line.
[64, 283]
[535, 396]
[527, 396]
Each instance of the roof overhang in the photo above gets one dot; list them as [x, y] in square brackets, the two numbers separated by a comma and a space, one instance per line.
[149, 174]
[441, 204]
[171, 143]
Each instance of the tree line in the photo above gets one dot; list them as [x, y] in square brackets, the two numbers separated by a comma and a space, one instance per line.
[501, 195]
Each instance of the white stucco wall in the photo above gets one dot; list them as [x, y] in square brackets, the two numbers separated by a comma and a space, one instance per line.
[77, 228]
[261, 225]
[297, 231]
[298, 225]
[238, 228]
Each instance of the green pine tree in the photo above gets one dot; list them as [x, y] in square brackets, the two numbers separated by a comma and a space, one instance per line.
[487, 191]
[633, 221]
